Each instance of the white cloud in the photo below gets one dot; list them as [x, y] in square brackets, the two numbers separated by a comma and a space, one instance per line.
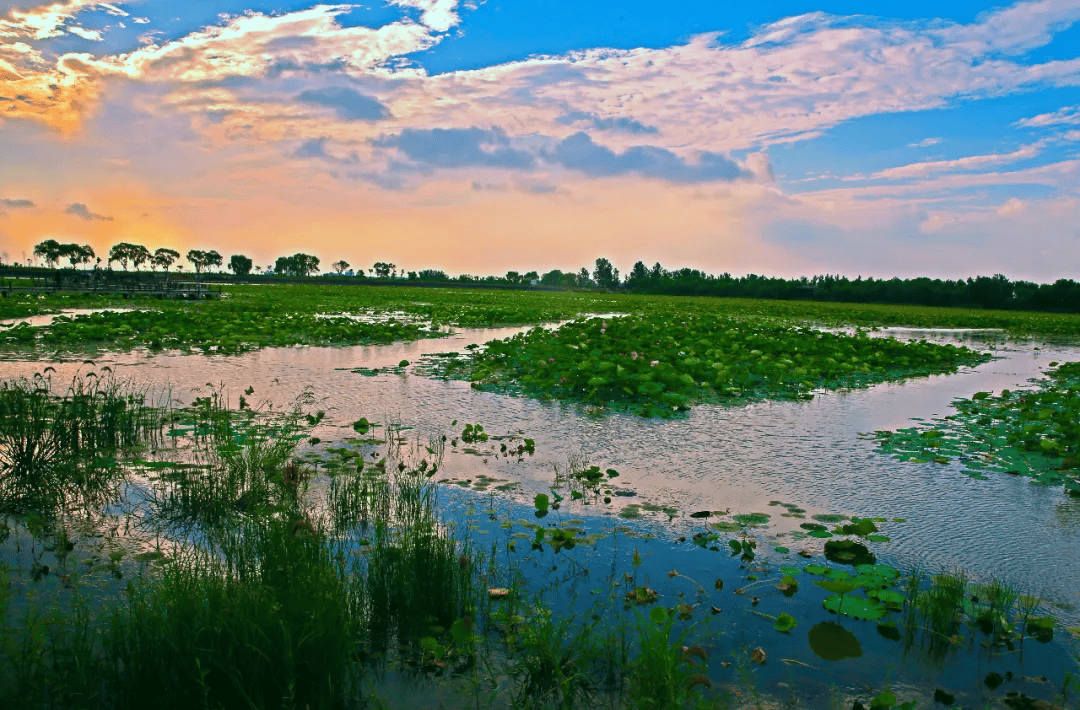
[92, 35]
[925, 143]
[43, 21]
[1012, 206]
[792, 80]
[973, 162]
[1068, 115]
[439, 15]
[112, 9]
[1014, 29]
[252, 44]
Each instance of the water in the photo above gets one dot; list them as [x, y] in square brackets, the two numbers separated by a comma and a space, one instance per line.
[48, 318]
[718, 457]
[807, 453]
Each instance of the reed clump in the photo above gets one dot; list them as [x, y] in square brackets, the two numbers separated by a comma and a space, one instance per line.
[60, 446]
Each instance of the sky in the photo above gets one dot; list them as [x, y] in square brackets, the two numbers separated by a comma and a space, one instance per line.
[784, 138]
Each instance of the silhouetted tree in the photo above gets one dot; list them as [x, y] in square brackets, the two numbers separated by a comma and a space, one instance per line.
[382, 269]
[605, 275]
[297, 265]
[49, 250]
[240, 264]
[203, 259]
[77, 254]
[164, 258]
[124, 252]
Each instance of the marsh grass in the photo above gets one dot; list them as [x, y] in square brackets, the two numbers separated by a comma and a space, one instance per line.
[286, 589]
[557, 662]
[943, 602]
[61, 449]
[274, 622]
[663, 674]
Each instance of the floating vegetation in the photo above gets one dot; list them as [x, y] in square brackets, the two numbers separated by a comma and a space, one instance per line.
[662, 362]
[1033, 433]
[249, 317]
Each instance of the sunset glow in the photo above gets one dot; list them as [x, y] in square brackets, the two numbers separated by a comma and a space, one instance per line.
[476, 137]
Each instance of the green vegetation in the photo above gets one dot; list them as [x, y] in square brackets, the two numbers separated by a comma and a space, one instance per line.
[251, 317]
[56, 449]
[1032, 432]
[665, 361]
[243, 578]
[250, 587]
[205, 557]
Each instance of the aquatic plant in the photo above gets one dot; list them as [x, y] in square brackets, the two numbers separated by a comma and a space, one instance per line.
[664, 674]
[552, 660]
[62, 448]
[274, 623]
[1032, 432]
[661, 362]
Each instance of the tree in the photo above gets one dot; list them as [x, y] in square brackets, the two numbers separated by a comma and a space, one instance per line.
[383, 269]
[203, 259]
[432, 275]
[297, 265]
[164, 258]
[638, 276]
[240, 264]
[583, 277]
[340, 266]
[77, 254]
[49, 250]
[124, 252]
[513, 277]
[605, 275]
[530, 276]
[552, 278]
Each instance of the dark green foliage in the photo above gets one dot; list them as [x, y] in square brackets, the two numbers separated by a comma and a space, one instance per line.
[240, 264]
[55, 447]
[203, 260]
[664, 361]
[297, 265]
[274, 625]
[1033, 432]
[981, 291]
[664, 673]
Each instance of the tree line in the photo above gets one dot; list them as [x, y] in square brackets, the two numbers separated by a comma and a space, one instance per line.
[981, 291]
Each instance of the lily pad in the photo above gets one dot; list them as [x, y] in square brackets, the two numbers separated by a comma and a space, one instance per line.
[832, 642]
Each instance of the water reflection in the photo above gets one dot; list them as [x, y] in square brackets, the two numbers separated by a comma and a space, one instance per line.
[718, 457]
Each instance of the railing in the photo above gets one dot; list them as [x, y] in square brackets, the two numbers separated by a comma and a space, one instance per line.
[162, 288]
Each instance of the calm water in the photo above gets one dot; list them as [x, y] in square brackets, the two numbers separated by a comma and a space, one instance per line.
[719, 457]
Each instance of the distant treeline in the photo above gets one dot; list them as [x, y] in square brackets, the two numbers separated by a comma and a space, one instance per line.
[979, 292]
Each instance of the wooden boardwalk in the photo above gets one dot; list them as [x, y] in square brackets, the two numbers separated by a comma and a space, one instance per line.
[113, 284]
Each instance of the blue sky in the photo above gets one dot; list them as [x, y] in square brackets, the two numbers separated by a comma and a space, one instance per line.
[785, 138]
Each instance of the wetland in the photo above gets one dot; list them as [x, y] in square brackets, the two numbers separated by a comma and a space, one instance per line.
[333, 496]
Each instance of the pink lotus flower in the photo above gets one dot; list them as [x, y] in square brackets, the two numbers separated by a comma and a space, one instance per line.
[633, 355]
[654, 363]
